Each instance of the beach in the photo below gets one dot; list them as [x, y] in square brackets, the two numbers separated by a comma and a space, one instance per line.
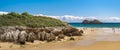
[60, 25]
[92, 39]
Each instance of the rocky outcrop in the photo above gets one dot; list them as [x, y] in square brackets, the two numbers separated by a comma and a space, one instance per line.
[22, 34]
[72, 32]
[93, 22]
[30, 37]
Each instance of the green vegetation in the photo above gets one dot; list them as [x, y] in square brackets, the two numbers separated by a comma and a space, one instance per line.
[25, 19]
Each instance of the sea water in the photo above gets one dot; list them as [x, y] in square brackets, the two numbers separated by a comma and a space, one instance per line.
[102, 25]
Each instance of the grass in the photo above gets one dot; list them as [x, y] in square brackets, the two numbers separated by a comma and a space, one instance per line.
[25, 19]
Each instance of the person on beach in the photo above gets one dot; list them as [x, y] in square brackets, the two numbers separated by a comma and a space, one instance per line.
[113, 29]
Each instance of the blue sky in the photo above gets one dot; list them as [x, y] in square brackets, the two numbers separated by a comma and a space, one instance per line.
[97, 8]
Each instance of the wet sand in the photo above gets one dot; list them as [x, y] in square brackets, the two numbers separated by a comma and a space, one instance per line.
[93, 39]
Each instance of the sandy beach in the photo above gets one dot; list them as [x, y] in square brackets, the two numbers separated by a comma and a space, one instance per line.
[93, 39]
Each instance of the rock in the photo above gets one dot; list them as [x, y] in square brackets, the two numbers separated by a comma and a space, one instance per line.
[31, 37]
[71, 38]
[61, 36]
[81, 31]
[22, 37]
[42, 36]
[9, 36]
[50, 37]
[76, 33]
[1, 31]
[38, 35]
[71, 32]
[47, 30]
[23, 34]
[93, 22]
[56, 33]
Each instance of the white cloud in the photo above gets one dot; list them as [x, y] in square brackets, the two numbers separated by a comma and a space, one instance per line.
[71, 18]
[115, 18]
[1, 12]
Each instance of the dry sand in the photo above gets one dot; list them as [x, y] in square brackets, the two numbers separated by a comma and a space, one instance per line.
[93, 39]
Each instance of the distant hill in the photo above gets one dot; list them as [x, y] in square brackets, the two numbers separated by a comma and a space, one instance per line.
[25, 19]
[93, 21]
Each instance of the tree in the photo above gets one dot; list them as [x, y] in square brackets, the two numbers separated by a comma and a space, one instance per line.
[26, 14]
[13, 14]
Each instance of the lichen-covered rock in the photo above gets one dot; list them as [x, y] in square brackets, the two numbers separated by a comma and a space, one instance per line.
[9, 36]
[56, 33]
[42, 36]
[71, 32]
[23, 34]
[81, 31]
[51, 37]
[61, 36]
[38, 36]
[76, 33]
[71, 38]
[22, 37]
[30, 37]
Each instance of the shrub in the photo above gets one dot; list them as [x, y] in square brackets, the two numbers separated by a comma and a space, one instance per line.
[26, 19]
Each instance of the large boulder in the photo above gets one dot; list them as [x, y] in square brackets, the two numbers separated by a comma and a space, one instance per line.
[50, 37]
[1, 31]
[76, 33]
[22, 37]
[9, 35]
[71, 32]
[57, 33]
[81, 31]
[71, 38]
[42, 36]
[30, 37]
[61, 36]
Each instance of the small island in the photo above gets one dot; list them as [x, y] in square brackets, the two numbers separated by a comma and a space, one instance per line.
[91, 21]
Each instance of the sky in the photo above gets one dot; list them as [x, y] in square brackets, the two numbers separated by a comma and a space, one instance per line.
[66, 10]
